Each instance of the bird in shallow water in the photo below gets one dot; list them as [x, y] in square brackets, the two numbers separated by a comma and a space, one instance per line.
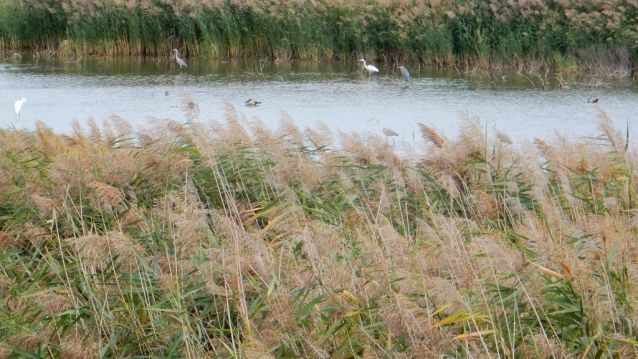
[386, 131]
[180, 62]
[405, 73]
[592, 100]
[18, 106]
[251, 102]
[370, 68]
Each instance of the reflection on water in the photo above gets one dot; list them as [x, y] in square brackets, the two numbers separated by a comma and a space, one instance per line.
[338, 94]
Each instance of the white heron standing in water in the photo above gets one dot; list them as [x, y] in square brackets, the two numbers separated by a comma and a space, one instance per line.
[370, 68]
[179, 61]
[405, 73]
[18, 106]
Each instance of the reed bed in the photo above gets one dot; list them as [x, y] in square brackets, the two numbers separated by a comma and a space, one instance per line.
[231, 240]
[495, 33]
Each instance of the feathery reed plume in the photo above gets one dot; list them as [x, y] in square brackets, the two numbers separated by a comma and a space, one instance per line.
[111, 195]
[45, 205]
[256, 349]
[34, 234]
[611, 204]
[503, 137]
[97, 252]
[322, 136]
[445, 293]
[53, 303]
[612, 135]
[486, 205]
[546, 150]
[292, 133]
[189, 107]
[5, 181]
[503, 260]
[396, 246]
[95, 134]
[429, 134]
[6, 240]
[26, 342]
[47, 140]
[74, 347]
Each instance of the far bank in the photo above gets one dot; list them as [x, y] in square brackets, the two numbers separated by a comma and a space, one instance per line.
[565, 35]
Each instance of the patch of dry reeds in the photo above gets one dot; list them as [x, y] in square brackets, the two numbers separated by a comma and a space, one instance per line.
[205, 240]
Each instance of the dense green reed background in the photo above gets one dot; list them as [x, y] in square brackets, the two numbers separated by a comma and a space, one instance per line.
[556, 33]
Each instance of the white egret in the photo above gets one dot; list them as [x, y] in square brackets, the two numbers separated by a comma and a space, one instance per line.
[179, 61]
[18, 106]
[405, 73]
[251, 102]
[592, 100]
[370, 68]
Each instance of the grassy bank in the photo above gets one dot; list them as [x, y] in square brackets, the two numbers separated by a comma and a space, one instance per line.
[222, 240]
[560, 34]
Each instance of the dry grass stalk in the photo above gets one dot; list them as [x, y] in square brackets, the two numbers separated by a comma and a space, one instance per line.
[429, 134]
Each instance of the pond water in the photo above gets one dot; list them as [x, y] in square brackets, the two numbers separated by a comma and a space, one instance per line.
[340, 94]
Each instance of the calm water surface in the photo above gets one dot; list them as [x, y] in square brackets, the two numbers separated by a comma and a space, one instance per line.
[337, 94]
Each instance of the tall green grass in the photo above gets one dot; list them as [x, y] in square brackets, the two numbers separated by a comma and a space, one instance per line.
[236, 241]
[545, 33]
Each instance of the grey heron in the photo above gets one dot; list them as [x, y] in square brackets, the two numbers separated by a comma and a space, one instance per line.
[405, 73]
[370, 68]
[18, 106]
[592, 100]
[386, 131]
[251, 102]
[179, 61]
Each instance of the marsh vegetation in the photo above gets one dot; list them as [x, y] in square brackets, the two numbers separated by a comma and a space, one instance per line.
[233, 240]
[563, 34]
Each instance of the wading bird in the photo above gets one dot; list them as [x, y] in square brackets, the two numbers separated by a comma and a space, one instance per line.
[386, 131]
[405, 73]
[592, 100]
[251, 102]
[179, 61]
[370, 68]
[18, 106]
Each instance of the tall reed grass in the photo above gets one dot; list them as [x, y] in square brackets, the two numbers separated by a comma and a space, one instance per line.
[559, 34]
[231, 240]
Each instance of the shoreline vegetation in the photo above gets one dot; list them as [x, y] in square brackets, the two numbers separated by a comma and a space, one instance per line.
[598, 36]
[230, 240]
